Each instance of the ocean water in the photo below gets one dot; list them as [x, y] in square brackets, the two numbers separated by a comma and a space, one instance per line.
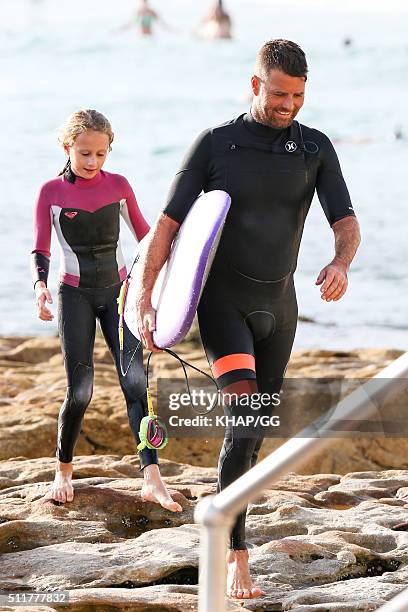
[160, 92]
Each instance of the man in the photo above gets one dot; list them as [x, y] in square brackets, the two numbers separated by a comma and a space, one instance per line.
[271, 166]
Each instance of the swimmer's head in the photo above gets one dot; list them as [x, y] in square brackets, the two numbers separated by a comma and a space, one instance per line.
[398, 134]
[278, 84]
[86, 138]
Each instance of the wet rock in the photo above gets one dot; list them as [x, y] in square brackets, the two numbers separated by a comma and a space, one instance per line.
[109, 549]
[33, 386]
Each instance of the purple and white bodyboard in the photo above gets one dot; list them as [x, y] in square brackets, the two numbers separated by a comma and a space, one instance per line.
[178, 287]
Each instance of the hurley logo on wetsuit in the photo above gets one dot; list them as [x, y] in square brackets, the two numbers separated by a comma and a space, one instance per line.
[290, 146]
[71, 215]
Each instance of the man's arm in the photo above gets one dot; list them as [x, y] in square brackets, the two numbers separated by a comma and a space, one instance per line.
[152, 259]
[346, 239]
[187, 185]
[335, 200]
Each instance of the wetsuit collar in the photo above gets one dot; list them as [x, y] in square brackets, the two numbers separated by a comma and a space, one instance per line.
[83, 183]
[259, 128]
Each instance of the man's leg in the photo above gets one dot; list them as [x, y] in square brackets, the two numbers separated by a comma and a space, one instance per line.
[238, 448]
[272, 357]
[228, 344]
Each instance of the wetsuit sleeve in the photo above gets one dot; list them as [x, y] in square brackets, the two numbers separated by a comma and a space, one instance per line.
[40, 255]
[191, 178]
[331, 187]
[131, 213]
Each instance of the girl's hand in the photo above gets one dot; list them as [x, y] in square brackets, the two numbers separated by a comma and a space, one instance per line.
[42, 296]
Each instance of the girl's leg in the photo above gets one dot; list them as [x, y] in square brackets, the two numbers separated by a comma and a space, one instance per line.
[133, 385]
[76, 325]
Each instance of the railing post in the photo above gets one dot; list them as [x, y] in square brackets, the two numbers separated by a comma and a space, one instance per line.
[216, 513]
[214, 532]
[399, 603]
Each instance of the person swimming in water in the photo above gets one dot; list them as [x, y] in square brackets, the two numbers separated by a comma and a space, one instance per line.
[216, 24]
[145, 17]
[84, 205]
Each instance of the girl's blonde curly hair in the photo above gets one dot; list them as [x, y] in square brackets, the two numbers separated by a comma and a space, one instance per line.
[79, 122]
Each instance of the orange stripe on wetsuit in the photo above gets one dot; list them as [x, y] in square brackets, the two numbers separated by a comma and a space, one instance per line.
[236, 361]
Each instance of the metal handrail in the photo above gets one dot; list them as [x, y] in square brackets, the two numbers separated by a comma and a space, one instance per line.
[216, 513]
[399, 603]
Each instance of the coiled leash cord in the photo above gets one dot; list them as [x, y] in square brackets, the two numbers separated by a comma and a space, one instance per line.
[153, 430]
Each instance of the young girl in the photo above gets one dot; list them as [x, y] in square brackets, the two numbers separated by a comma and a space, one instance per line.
[84, 204]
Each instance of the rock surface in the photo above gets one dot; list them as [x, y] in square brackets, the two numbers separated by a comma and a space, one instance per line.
[334, 537]
[318, 542]
[32, 388]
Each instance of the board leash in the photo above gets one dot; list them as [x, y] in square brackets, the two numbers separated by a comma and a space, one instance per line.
[153, 431]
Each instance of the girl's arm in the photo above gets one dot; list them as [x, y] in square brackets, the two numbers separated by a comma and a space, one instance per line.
[40, 255]
[131, 213]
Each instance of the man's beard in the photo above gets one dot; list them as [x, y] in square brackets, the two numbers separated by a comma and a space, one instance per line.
[277, 121]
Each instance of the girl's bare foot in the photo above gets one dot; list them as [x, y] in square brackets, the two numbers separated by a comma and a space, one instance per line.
[155, 490]
[239, 582]
[62, 489]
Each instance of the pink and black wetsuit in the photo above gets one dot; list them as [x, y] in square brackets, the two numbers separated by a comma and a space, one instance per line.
[86, 216]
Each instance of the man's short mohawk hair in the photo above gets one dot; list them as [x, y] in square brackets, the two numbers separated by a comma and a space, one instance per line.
[283, 55]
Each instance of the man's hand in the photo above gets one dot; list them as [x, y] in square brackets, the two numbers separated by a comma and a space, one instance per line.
[146, 324]
[42, 296]
[152, 257]
[334, 276]
[334, 279]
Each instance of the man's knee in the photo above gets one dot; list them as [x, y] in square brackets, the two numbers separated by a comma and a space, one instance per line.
[236, 392]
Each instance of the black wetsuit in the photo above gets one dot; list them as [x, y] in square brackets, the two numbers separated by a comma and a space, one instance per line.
[248, 309]
[85, 214]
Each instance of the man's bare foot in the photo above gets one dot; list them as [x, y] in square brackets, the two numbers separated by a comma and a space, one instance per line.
[62, 489]
[239, 583]
[155, 490]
